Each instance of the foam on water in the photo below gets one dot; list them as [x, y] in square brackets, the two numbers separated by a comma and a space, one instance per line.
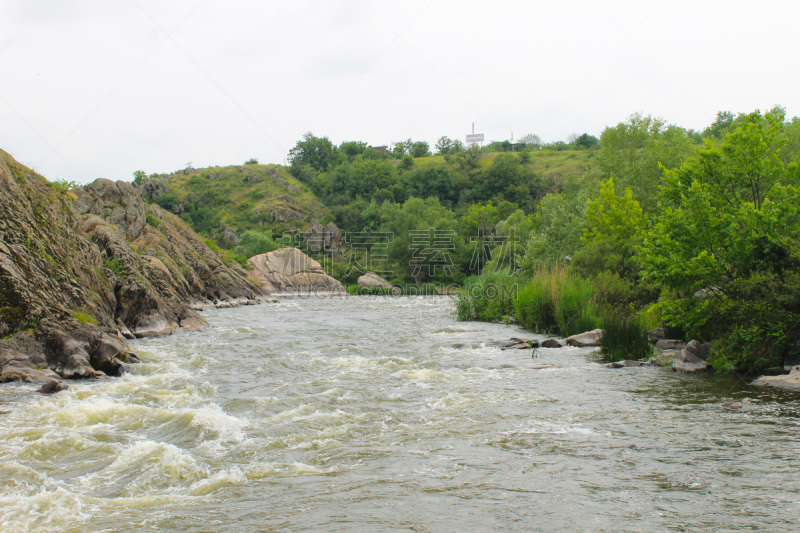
[384, 414]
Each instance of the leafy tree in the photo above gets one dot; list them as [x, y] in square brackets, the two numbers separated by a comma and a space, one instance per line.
[420, 149]
[251, 161]
[401, 148]
[434, 180]
[726, 248]
[139, 176]
[587, 142]
[614, 229]
[255, 243]
[445, 145]
[532, 141]
[319, 153]
[717, 128]
[425, 215]
[635, 153]
[351, 149]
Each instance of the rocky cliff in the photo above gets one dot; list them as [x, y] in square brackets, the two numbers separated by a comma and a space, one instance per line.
[80, 270]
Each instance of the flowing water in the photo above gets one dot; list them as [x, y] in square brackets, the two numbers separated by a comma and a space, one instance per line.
[385, 414]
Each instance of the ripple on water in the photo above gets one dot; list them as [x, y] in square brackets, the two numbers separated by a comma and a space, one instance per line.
[385, 414]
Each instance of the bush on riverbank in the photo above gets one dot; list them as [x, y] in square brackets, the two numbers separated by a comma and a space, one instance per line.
[625, 338]
[557, 301]
[487, 298]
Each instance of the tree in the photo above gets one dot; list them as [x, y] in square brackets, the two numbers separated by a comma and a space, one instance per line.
[615, 225]
[255, 243]
[401, 148]
[251, 161]
[317, 152]
[445, 145]
[420, 149]
[725, 248]
[587, 141]
[531, 140]
[636, 152]
[717, 128]
[139, 176]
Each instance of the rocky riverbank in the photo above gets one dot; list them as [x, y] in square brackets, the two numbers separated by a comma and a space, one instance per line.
[82, 270]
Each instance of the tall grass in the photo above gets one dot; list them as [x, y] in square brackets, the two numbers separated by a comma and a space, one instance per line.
[625, 338]
[488, 298]
[557, 301]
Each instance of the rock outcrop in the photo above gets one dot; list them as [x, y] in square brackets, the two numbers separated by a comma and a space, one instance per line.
[790, 382]
[328, 238]
[81, 270]
[290, 271]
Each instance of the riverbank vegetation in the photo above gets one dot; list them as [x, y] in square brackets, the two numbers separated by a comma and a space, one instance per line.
[701, 237]
[650, 224]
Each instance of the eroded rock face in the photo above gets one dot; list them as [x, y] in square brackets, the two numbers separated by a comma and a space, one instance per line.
[288, 270]
[82, 270]
[790, 382]
[692, 358]
[326, 238]
[590, 338]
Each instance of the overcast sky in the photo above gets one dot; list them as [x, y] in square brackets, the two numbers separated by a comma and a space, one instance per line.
[101, 88]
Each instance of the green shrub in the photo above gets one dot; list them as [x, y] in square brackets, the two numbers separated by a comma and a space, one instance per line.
[487, 298]
[114, 265]
[84, 317]
[557, 301]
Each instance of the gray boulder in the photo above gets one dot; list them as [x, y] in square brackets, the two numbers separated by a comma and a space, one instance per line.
[692, 358]
[657, 334]
[790, 382]
[667, 344]
[590, 338]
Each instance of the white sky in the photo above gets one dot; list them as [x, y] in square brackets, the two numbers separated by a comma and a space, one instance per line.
[92, 88]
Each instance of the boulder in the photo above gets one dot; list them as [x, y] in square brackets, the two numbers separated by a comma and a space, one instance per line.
[667, 344]
[657, 334]
[551, 343]
[288, 270]
[665, 358]
[371, 279]
[590, 338]
[109, 354]
[789, 382]
[53, 386]
[692, 358]
[153, 324]
[17, 373]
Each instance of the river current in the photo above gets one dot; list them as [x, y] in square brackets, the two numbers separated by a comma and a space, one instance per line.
[386, 414]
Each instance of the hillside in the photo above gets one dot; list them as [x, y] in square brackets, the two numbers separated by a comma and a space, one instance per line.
[241, 197]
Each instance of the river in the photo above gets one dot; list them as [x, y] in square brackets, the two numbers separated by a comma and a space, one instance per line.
[386, 414]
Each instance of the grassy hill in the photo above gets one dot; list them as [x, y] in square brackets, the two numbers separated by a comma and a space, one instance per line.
[242, 197]
[553, 166]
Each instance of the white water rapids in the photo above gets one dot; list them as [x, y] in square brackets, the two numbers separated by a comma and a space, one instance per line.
[385, 414]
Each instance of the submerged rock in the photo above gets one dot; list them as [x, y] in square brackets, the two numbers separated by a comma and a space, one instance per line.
[590, 338]
[551, 343]
[790, 382]
[624, 364]
[53, 386]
